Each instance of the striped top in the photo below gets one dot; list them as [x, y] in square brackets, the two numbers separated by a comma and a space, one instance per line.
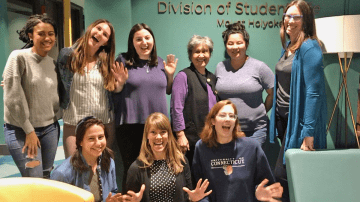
[88, 97]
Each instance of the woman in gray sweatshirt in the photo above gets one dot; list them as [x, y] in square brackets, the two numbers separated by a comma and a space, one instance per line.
[31, 100]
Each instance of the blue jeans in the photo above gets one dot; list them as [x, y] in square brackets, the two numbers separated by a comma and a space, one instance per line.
[259, 135]
[48, 136]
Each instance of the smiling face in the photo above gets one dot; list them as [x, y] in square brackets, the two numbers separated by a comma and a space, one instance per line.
[143, 43]
[43, 37]
[224, 123]
[293, 26]
[99, 36]
[236, 46]
[158, 140]
[200, 56]
[94, 142]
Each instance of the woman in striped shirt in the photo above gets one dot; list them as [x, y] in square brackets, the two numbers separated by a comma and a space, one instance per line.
[88, 75]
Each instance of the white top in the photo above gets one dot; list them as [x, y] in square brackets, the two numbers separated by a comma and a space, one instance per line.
[88, 97]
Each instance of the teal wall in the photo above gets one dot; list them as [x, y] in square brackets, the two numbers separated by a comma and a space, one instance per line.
[333, 77]
[4, 53]
[118, 12]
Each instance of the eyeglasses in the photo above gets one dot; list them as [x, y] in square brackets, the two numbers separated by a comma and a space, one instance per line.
[231, 116]
[295, 17]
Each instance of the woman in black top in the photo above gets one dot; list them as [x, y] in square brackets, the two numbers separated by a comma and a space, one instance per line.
[161, 172]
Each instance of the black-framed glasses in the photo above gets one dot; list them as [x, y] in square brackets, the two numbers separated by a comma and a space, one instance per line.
[295, 17]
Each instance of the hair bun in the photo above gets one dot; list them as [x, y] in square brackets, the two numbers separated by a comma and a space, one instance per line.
[23, 36]
[238, 26]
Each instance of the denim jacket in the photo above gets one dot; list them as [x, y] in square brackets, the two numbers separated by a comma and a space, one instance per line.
[65, 172]
[65, 78]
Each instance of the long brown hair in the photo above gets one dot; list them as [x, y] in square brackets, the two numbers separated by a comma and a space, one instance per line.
[105, 54]
[131, 57]
[174, 156]
[208, 134]
[81, 128]
[308, 29]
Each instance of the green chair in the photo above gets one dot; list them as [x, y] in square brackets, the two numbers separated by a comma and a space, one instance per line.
[323, 175]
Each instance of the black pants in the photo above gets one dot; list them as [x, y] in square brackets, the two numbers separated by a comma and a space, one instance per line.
[129, 138]
[280, 168]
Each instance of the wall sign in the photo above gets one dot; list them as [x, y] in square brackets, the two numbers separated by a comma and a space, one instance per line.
[239, 8]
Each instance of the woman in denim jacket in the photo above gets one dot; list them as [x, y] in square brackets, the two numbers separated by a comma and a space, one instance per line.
[88, 74]
[91, 167]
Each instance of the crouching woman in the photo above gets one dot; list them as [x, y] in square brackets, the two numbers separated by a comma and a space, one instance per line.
[91, 167]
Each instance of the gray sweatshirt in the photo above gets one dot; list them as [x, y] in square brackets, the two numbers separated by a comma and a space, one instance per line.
[31, 99]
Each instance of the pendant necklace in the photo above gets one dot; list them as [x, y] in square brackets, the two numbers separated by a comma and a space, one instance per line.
[147, 67]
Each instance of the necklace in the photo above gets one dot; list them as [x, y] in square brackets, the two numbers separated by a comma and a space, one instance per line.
[99, 180]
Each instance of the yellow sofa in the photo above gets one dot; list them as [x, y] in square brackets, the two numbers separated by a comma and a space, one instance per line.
[30, 189]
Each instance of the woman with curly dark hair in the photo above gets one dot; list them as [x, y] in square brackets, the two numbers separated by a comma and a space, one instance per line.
[31, 100]
[242, 79]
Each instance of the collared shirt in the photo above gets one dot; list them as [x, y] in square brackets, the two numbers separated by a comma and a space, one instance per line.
[66, 78]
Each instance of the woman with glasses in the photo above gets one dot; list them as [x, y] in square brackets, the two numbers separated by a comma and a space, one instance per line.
[299, 115]
[242, 79]
[236, 166]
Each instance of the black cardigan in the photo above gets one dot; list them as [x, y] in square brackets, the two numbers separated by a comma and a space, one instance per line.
[137, 175]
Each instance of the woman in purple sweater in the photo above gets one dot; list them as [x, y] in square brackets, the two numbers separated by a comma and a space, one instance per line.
[193, 95]
[144, 92]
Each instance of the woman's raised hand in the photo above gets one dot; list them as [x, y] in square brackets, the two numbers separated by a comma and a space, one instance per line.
[121, 75]
[170, 65]
[199, 192]
[269, 193]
